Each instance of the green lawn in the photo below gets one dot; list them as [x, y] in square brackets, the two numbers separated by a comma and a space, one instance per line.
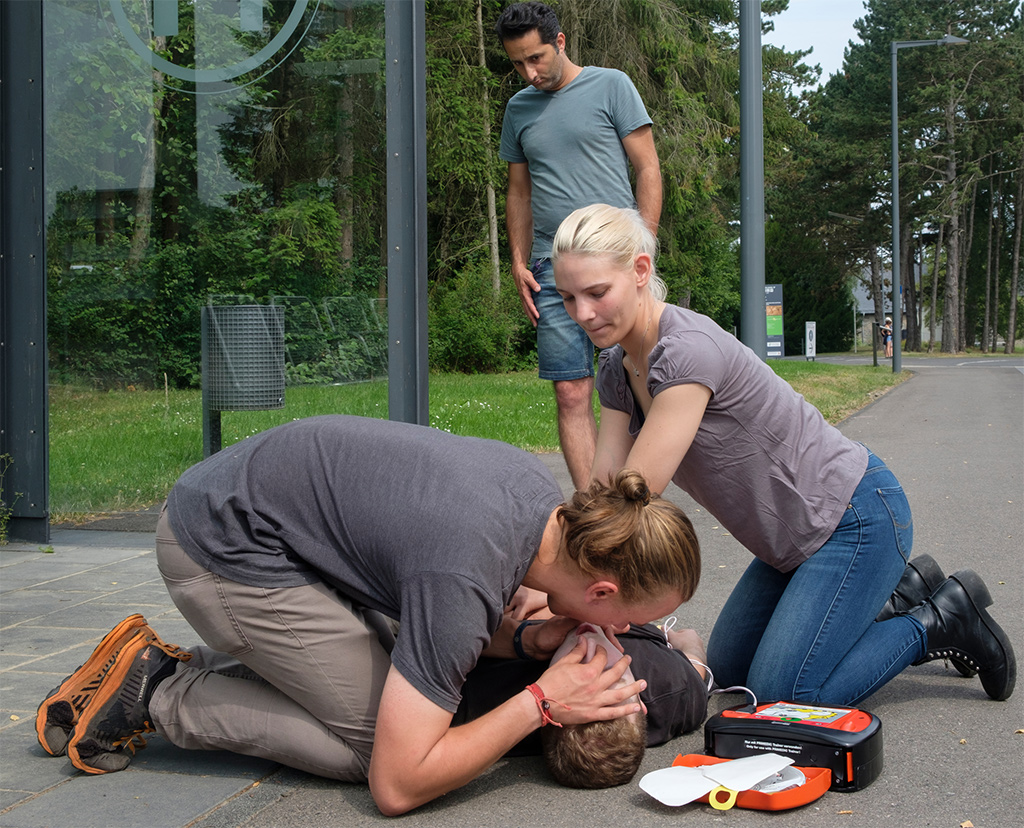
[123, 450]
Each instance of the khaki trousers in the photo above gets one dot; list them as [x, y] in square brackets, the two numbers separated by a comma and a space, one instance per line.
[290, 674]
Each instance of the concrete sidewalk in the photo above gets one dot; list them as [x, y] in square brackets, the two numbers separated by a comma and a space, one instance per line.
[954, 434]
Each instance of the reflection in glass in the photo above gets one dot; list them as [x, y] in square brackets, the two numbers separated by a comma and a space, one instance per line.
[215, 147]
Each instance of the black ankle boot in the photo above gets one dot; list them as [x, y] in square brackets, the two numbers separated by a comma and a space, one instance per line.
[920, 579]
[957, 626]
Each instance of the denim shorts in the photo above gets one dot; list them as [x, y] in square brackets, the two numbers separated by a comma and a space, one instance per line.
[564, 351]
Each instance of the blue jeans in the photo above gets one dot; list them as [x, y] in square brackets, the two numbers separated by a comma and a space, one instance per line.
[810, 634]
[564, 351]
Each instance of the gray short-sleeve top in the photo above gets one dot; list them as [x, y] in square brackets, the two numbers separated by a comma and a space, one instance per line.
[764, 461]
[426, 527]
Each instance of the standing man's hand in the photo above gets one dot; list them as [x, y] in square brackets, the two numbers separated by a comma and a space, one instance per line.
[519, 222]
[527, 287]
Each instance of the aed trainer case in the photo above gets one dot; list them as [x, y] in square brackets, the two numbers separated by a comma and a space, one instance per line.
[817, 780]
[845, 740]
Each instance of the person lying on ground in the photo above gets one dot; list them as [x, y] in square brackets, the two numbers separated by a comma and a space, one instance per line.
[608, 753]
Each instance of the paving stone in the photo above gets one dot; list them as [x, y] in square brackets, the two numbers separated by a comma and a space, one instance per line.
[131, 797]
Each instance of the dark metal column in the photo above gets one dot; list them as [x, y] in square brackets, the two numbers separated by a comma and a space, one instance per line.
[24, 433]
[405, 55]
[753, 324]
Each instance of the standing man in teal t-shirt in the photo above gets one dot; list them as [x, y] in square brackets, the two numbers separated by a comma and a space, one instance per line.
[569, 139]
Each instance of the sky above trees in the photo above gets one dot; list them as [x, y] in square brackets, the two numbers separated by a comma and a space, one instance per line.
[825, 25]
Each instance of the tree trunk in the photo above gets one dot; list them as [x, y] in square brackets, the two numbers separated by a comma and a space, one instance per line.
[952, 326]
[492, 209]
[967, 220]
[143, 228]
[344, 154]
[1011, 324]
[952, 308]
[935, 290]
[1015, 268]
[994, 330]
[382, 280]
[906, 276]
[951, 304]
[569, 19]
[988, 266]
[962, 290]
[913, 342]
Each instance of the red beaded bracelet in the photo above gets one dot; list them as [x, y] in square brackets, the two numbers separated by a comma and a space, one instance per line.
[544, 704]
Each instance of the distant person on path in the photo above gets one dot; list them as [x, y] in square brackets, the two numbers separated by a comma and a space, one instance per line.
[886, 331]
[569, 140]
[289, 551]
[828, 523]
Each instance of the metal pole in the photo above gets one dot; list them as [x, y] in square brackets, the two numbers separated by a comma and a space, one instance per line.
[211, 417]
[405, 55]
[24, 409]
[753, 323]
[897, 293]
[897, 318]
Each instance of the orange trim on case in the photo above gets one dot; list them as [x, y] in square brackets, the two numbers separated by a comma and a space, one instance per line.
[818, 781]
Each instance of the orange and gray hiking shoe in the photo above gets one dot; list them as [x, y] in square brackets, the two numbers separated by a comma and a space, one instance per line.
[56, 716]
[117, 714]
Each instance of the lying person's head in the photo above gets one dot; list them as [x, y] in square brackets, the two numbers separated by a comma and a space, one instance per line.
[596, 754]
[629, 557]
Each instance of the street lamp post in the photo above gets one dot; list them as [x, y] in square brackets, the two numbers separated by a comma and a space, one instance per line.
[897, 299]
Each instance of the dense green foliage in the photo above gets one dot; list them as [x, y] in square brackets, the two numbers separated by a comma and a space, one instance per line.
[162, 200]
[472, 330]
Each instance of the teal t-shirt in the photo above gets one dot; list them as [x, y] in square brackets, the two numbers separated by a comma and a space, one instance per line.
[572, 141]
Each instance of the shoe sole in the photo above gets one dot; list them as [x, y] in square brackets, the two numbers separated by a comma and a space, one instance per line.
[980, 596]
[54, 730]
[110, 687]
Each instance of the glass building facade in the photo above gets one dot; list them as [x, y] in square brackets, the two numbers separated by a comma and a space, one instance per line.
[211, 153]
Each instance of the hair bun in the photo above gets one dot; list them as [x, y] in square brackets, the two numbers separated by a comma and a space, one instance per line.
[632, 486]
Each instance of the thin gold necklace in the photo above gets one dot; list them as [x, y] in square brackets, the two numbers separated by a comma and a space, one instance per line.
[643, 341]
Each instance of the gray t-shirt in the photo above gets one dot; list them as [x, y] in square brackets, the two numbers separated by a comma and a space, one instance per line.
[572, 141]
[764, 462]
[424, 526]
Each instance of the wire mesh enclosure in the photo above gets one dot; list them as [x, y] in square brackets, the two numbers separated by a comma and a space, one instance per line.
[243, 357]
